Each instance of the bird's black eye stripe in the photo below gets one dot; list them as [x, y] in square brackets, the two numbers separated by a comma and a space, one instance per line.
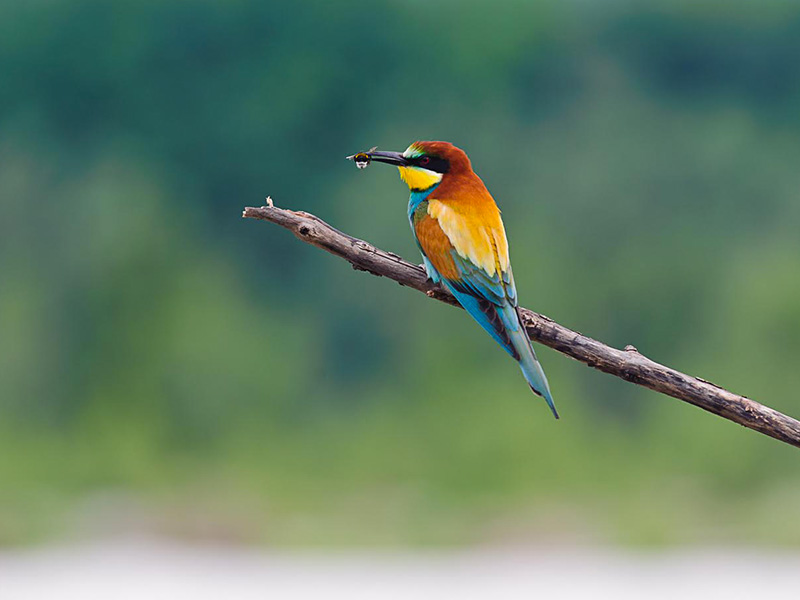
[433, 163]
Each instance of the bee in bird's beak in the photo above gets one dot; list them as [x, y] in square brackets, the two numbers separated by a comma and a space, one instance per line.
[363, 159]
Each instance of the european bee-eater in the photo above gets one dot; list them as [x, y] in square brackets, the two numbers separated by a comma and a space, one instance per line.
[458, 229]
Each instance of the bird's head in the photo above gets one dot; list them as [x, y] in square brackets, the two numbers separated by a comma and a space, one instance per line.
[423, 164]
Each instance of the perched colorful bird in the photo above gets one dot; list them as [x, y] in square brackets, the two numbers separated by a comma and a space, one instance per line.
[458, 229]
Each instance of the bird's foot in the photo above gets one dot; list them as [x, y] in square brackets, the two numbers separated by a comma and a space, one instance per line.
[428, 278]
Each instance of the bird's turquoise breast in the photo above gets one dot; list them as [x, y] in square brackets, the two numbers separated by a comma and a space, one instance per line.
[417, 209]
[417, 199]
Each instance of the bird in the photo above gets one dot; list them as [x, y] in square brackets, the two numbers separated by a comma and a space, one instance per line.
[460, 234]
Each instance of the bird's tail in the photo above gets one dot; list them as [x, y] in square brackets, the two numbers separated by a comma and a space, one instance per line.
[531, 369]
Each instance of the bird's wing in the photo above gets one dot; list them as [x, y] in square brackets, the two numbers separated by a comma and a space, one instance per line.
[472, 248]
[471, 255]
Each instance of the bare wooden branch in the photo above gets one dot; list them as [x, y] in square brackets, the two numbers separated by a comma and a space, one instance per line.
[627, 364]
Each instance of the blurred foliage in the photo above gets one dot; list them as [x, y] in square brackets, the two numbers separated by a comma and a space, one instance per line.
[165, 365]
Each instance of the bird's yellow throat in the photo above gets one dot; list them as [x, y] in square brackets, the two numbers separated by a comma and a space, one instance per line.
[419, 179]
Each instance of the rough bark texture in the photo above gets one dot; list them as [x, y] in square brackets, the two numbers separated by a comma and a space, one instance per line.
[627, 364]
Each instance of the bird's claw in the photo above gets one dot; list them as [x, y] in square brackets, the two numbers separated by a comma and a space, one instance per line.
[428, 278]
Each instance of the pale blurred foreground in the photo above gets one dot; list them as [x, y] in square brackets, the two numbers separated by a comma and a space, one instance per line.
[155, 570]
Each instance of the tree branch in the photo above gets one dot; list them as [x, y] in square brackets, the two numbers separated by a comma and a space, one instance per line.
[627, 364]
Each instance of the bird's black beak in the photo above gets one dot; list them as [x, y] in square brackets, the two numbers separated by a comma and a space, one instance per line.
[390, 158]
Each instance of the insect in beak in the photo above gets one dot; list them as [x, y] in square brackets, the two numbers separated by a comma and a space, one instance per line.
[363, 159]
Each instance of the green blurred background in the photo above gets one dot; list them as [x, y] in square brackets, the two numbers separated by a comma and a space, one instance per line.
[170, 368]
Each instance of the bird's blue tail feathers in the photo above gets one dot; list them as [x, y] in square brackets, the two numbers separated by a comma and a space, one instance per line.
[502, 322]
[531, 369]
